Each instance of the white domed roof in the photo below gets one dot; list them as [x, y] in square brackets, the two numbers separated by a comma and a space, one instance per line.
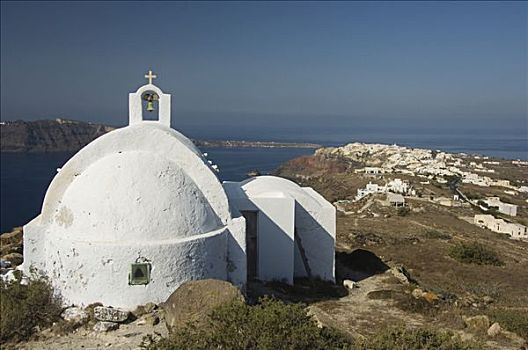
[136, 196]
[142, 182]
[277, 186]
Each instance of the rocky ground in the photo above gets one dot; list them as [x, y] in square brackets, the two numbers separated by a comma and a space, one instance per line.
[127, 336]
[401, 283]
[11, 249]
[421, 240]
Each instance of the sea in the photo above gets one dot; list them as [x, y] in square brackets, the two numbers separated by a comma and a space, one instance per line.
[26, 176]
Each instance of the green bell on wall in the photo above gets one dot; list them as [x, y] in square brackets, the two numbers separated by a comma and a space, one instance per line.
[150, 106]
[150, 98]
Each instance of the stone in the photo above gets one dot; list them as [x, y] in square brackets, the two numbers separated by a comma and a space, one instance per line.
[13, 237]
[5, 264]
[9, 276]
[417, 293]
[149, 307]
[108, 314]
[479, 322]
[430, 297]
[104, 326]
[139, 311]
[349, 284]
[194, 300]
[313, 314]
[15, 258]
[75, 314]
[487, 299]
[494, 330]
[401, 274]
[11, 248]
[150, 319]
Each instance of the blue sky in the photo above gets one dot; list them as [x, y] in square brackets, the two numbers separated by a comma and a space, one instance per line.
[259, 64]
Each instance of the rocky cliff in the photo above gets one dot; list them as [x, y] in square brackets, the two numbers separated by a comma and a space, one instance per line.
[62, 135]
[48, 135]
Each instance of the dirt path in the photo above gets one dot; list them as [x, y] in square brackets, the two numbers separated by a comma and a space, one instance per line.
[358, 312]
[128, 336]
[368, 204]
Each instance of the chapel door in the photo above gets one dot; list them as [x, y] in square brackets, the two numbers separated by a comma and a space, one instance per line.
[251, 243]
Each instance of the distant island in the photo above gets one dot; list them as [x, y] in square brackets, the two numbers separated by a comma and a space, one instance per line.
[62, 135]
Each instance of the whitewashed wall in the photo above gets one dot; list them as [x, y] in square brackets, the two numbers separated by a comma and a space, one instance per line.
[140, 192]
[283, 206]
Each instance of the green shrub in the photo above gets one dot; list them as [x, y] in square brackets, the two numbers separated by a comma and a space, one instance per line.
[270, 324]
[474, 253]
[403, 211]
[401, 338]
[473, 195]
[24, 307]
[435, 234]
[274, 325]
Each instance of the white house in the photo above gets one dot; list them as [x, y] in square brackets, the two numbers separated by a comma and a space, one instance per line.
[394, 186]
[400, 186]
[370, 188]
[516, 231]
[504, 208]
[139, 211]
[395, 199]
[374, 170]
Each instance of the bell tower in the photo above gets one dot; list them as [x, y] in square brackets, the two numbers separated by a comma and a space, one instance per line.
[135, 108]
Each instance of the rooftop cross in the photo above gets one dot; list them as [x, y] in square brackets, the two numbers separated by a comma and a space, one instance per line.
[150, 76]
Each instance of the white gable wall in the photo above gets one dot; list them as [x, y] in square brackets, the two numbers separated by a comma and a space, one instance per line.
[275, 224]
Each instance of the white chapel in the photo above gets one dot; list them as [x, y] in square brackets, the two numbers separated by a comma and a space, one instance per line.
[139, 211]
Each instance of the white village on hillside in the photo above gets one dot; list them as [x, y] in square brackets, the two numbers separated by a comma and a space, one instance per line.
[140, 210]
[429, 166]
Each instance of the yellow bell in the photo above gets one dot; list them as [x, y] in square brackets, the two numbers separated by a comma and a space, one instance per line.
[150, 106]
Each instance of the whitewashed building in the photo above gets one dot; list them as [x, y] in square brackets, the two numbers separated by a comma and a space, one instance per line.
[139, 211]
[395, 199]
[290, 229]
[394, 186]
[501, 207]
[516, 231]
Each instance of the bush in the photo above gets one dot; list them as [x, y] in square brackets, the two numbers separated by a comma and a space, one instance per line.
[400, 338]
[512, 320]
[473, 195]
[274, 325]
[270, 324]
[435, 234]
[24, 307]
[474, 253]
[406, 302]
[403, 211]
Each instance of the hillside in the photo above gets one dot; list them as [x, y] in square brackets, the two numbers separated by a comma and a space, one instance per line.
[57, 135]
[457, 269]
[62, 135]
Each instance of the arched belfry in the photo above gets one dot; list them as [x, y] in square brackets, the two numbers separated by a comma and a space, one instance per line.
[135, 108]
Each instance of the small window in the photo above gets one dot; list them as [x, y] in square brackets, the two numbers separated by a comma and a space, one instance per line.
[139, 274]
